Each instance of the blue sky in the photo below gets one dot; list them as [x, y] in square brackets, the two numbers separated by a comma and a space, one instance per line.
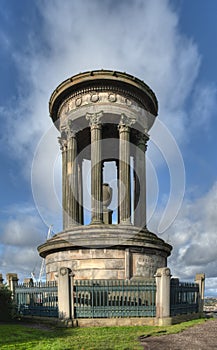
[171, 45]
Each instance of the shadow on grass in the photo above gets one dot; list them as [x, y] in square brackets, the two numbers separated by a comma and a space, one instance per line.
[29, 333]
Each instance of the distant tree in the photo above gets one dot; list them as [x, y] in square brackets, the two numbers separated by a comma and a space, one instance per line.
[6, 304]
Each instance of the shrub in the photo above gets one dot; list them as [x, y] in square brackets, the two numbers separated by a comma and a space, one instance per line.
[6, 304]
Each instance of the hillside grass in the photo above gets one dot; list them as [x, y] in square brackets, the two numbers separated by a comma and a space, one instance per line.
[26, 337]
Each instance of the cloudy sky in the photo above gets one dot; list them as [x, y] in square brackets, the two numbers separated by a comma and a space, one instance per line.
[171, 45]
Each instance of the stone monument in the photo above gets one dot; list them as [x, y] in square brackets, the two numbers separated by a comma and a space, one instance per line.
[104, 116]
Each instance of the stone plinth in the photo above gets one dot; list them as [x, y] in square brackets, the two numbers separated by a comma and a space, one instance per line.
[105, 252]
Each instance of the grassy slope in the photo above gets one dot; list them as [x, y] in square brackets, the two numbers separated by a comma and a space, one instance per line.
[13, 336]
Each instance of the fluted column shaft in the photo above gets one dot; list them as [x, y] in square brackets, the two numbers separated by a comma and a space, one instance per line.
[63, 147]
[140, 182]
[96, 167]
[80, 194]
[72, 179]
[124, 172]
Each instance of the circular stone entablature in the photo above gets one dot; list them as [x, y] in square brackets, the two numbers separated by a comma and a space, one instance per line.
[104, 80]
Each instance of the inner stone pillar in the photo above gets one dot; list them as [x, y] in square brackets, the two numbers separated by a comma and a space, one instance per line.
[124, 170]
[96, 167]
[140, 181]
[72, 177]
[80, 194]
[118, 194]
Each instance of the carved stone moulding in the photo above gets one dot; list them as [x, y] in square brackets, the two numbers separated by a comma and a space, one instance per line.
[85, 99]
[96, 82]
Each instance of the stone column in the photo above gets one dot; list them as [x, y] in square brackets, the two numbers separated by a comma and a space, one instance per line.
[140, 182]
[124, 169]
[118, 194]
[80, 194]
[72, 203]
[63, 147]
[96, 167]
[200, 280]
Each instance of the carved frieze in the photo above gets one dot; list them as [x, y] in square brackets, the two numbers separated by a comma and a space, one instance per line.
[92, 98]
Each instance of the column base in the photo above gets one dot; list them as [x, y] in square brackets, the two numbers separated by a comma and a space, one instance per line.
[96, 222]
[125, 222]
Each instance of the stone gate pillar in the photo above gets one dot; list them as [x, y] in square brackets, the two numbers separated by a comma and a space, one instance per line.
[64, 294]
[163, 277]
[1, 280]
[12, 281]
[200, 280]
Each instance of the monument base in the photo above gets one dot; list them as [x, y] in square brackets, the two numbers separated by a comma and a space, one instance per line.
[105, 252]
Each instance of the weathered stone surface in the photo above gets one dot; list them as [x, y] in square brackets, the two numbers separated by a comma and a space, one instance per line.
[142, 261]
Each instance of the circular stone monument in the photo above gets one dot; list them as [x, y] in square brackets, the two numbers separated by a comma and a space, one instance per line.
[104, 116]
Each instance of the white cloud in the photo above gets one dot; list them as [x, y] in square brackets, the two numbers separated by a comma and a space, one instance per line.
[203, 105]
[193, 235]
[142, 38]
[20, 260]
[23, 227]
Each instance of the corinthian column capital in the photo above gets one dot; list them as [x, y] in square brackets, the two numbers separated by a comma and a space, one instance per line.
[94, 119]
[125, 123]
[70, 131]
[63, 143]
[141, 141]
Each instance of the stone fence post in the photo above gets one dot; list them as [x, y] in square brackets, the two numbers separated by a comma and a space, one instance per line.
[200, 280]
[1, 280]
[65, 294]
[12, 281]
[162, 277]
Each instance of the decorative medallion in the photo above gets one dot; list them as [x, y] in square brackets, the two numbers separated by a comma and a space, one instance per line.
[112, 97]
[128, 102]
[63, 271]
[94, 97]
[78, 101]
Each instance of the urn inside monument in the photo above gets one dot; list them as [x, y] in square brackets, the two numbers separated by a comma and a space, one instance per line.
[106, 195]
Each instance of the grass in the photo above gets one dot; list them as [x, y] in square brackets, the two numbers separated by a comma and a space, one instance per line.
[18, 336]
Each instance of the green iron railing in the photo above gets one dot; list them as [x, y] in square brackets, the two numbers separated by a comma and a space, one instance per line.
[114, 298]
[183, 297]
[37, 299]
[106, 298]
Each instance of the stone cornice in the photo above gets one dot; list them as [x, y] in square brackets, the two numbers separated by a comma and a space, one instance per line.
[101, 236]
[104, 80]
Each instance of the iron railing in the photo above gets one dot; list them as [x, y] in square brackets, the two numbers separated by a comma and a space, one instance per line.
[37, 299]
[183, 297]
[106, 298]
[114, 298]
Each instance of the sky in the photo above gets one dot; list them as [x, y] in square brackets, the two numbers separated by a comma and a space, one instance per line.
[171, 45]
